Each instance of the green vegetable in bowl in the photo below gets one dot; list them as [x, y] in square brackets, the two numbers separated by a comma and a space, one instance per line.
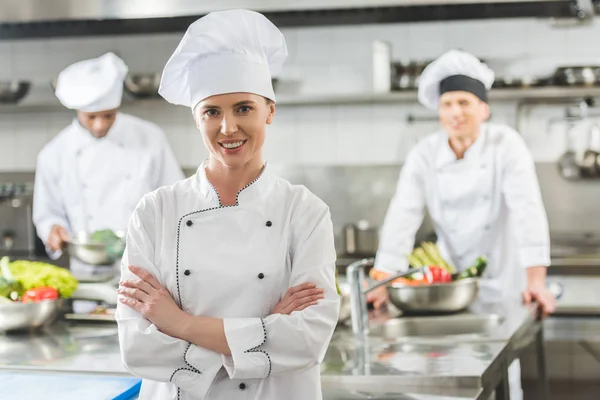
[474, 271]
[115, 245]
[33, 274]
[105, 236]
[9, 287]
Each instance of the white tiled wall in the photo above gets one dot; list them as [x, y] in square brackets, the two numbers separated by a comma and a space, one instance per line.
[321, 60]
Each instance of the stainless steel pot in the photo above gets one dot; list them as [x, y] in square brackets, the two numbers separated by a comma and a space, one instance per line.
[361, 239]
[434, 298]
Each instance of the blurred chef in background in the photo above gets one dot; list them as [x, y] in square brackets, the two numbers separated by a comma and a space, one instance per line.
[94, 172]
[479, 184]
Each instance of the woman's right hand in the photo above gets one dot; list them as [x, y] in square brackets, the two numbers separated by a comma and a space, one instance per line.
[298, 298]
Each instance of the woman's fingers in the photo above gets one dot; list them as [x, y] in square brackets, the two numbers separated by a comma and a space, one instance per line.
[133, 293]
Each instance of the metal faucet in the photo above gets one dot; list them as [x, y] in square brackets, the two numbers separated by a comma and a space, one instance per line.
[358, 295]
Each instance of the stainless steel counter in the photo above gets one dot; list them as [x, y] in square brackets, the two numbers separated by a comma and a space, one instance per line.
[466, 366]
[439, 363]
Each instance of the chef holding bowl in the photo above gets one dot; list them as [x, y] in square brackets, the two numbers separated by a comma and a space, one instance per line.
[479, 184]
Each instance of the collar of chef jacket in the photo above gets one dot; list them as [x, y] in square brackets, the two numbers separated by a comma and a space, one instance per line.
[82, 137]
[258, 189]
[473, 155]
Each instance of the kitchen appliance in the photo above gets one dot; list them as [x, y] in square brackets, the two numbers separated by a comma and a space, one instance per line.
[361, 239]
[17, 232]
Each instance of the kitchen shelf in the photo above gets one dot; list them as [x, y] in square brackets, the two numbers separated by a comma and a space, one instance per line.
[531, 94]
[541, 93]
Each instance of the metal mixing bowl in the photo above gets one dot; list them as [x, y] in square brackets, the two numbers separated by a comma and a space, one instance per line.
[143, 85]
[86, 250]
[21, 316]
[435, 298]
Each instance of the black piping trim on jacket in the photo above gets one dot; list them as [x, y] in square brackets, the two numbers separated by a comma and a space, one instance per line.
[237, 203]
[191, 367]
[256, 349]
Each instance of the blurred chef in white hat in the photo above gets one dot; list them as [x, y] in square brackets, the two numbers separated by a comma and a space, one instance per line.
[228, 276]
[94, 172]
[479, 184]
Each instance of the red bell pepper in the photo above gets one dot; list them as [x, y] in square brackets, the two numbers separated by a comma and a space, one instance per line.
[40, 294]
[435, 274]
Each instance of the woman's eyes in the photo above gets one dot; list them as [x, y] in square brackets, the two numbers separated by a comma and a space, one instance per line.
[244, 109]
[213, 112]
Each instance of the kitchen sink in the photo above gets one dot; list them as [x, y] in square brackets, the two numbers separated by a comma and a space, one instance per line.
[435, 326]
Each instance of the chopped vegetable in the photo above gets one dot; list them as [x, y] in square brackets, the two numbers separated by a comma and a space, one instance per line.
[9, 286]
[474, 271]
[427, 255]
[436, 274]
[40, 294]
[33, 274]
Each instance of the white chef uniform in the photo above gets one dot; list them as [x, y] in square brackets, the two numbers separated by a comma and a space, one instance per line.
[231, 262]
[487, 203]
[86, 184]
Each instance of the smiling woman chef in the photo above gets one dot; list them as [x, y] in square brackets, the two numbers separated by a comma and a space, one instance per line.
[479, 184]
[228, 287]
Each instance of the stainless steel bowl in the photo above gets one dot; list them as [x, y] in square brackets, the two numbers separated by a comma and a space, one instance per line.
[436, 298]
[142, 85]
[22, 316]
[86, 250]
[13, 91]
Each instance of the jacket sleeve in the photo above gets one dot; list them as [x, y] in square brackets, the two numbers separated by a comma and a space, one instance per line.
[169, 171]
[146, 352]
[404, 216]
[284, 343]
[524, 200]
[48, 206]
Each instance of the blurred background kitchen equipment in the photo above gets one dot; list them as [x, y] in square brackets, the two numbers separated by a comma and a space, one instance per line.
[16, 225]
[344, 286]
[434, 298]
[405, 76]
[589, 158]
[12, 92]
[142, 85]
[87, 250]
[361, 239]
[588, 75]
[16, 316]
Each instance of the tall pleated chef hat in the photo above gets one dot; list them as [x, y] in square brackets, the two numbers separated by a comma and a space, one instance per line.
[453, 71]
[92, 85]
[224, 52]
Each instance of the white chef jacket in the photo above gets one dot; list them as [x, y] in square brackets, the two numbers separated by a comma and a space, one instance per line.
[487, 203]
[86, 184]
[236, 263]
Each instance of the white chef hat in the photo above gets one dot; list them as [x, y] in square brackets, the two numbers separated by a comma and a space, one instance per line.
[92, 85]
[224, 52]
[454, 70]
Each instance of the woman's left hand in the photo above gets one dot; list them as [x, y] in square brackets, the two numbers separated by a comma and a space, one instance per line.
[149, 298]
